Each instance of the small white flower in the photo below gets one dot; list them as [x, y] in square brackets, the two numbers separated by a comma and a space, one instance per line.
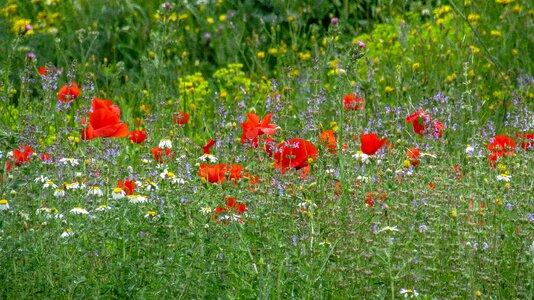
[208, 158]
[79, 211]
[205, 210]
[469, 149]
[388, 229]
[78, 174]
[330, 171]
[307, 204]
[165, 143]
[325, 243]
[118, 193]
[362, 178]
[69, 161]
[95, 191]
[68, 232]
[41, 179]
[59, 193]
[4, 204]
[137, 199]
[364, 158]
[409, 293]
[504, 177]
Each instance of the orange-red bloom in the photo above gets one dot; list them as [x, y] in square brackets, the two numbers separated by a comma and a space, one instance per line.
[43, 70]
[423, 124]
[104, 121]
[254, 128]
[213, 173]
[127, 186]
[371, 143]
[294, 153]
[159, 153]
[22, 155]
[501, 145]
[217, 173]
[137, 136]
[328, 138]
[68, 92]
[181, 118]
[529, 137]
[353, 102]
[413, 155]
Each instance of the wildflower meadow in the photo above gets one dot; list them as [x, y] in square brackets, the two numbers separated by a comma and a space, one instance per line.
[247, 149]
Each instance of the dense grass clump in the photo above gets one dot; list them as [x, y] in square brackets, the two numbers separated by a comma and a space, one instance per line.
[266, 149]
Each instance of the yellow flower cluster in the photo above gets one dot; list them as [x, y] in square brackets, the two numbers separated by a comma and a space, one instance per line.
[232, 78]
[194, 84]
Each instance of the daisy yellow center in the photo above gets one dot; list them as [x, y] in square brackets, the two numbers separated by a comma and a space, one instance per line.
[3, 202]
[151, 213]
[117, 190]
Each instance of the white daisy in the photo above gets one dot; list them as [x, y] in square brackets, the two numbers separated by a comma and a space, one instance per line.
[152, 215]
[95, 191]
[388, 229]
[68, 232]
[49, 184]
[504, 177]
[118, 193]
[409, 293]
[4, 204]
[205, 210]
[137, 199]
[79, 211]
[103, 207]
[59, 193]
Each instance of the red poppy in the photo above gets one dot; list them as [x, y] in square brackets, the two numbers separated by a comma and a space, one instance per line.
[208, 145]
[137, 136]
[372, 197]
[353, 102]
[529, 137]
[423, 124]
[235, 172]
[43, 70]
[294, 153]
[254, 128]
[104, 121]
[413, 155]
[371, 143]
[232, 207]
[159, 154]
[22, 155]
[501, 145]
[181, 118]
[68, 92]
[212, 173]
[238, 207]
[328, 138]
[127, 186]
